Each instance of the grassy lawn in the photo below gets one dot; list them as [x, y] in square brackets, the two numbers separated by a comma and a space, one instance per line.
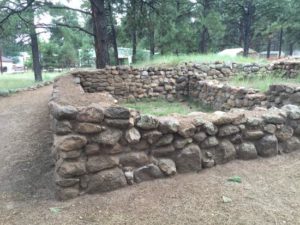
[22, 80]
[162, 107]
[172, 60]
[261, 83]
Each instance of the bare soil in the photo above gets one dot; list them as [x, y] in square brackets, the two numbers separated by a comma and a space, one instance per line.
[269, 192]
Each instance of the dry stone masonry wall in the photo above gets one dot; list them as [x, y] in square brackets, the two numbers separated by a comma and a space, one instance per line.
[100, 146]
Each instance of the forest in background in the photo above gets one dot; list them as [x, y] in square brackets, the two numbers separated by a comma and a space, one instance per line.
[161, 26]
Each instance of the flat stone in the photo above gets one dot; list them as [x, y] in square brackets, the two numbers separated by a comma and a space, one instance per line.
[133, 136]
[165, 140]
[253, 134]
[110, 136]
[134, 159]
[117, 112]
[106, 180]
[164, 150]
[273, 118]
[254, 121]
[247, 151]
[267, 146]
[146, 173]
[180, 143]
[88, 128]
[66, 182]
[70, 142]
[100, 162]
[189, 159]
[70, 169]
[119, 123]
[167, 166]
[228, 130]
[152, 136]
[93, 113]
[147, 122]
[115, 149]
[92, 149]
[70, 154]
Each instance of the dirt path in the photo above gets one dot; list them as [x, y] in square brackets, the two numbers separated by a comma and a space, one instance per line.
[269, 192]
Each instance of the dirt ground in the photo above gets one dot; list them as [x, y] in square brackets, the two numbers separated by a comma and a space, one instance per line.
[269, 192]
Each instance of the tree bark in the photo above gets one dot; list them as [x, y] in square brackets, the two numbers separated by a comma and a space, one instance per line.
[280, 42]
[248, 14]
[204, 36]
[100, 33]
[269, 46]
[113, 34]
[37, 67]
[133, 31]
[291, 49]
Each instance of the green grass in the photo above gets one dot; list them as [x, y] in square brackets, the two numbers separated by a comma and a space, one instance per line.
[161, 107]
[261, 82]
[173, 60]
[22, 80]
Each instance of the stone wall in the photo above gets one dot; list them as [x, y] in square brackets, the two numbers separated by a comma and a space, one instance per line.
[100, 146]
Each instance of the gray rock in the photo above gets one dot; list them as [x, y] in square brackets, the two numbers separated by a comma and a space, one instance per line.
[4, 93]
[208, 163]
[253, 134]
[70, 154]
[119, 123]
[106, 180]
[292, 144]
[225, 152]
[147, 122]
[165, 140]
[285, 133]
[61, 127]
[92, 149]
[267, 146]
[210, 128]
[98, 163]
[209, 142]
[254, 121]
[66, 182]
[270, 128]
[110, 136]
[152, 136]
[292, 111]
[273, 118]
[168, 125]
[93, 113]
[129, 177]
[133, 136]
[69, 142]
[180, 143]
[64, 194]
[189, 159]
[70, 169]
[167, 166]
[62, 112]
[146, 173]
[134, 159]
[228, 130]
[117, 112]
[247, 151]
[186, 130]
[199, 137]
[164, 150]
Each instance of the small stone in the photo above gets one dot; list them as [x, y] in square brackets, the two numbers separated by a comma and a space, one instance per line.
[267, 146]
[254, 121]
[186, 130]
[66, 182]
[110, 136]
[210, 128]
[180, 143]
[106, 180]
[61, 127]
[92, 149]
[270, 128]
[291, 145]
[208, 163]
[167, 166]
[189, 159]
[134, 159]
[228, 130]
[64, 194]
[152, 136]
[247, 151]
[253, 134]
[168, 125]
[115, 149]
[273, 118]
[132, 136]
[92, 113]
[62, 112]
[97, 163]
[129, 177]
[199, 137]
[119, 123]
[164, 150]
[117, 112]
[70, 169]
[225, 152]
[293, 111]
[70, 142]
[147, 122]
[70, 154]
[146, 173]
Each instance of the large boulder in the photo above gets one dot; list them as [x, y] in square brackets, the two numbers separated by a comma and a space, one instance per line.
[225, 152]
[69, 142]
[168, 125]
[106, 180]
[110, 136]
[285, 133]
[189, 159]
[134, 159]
[291, 145]
[247, 151]
[62, 112]
[267, 146]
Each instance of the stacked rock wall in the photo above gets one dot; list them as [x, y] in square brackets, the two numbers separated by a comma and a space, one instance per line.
[100, 146]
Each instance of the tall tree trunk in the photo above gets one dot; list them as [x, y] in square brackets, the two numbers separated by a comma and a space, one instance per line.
[248, 14]
[133, 31]
[269, 46]
[37, 67]
[280, 42]
[113, 34]
[151, 30]
[204, 36]
[100, 33]
[291, 49]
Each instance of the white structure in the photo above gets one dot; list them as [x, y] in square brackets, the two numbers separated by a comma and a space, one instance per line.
[237, 52]
[7, 65]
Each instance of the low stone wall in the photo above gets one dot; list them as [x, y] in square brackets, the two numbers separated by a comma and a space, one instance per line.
[283, 94]
[100, 146]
